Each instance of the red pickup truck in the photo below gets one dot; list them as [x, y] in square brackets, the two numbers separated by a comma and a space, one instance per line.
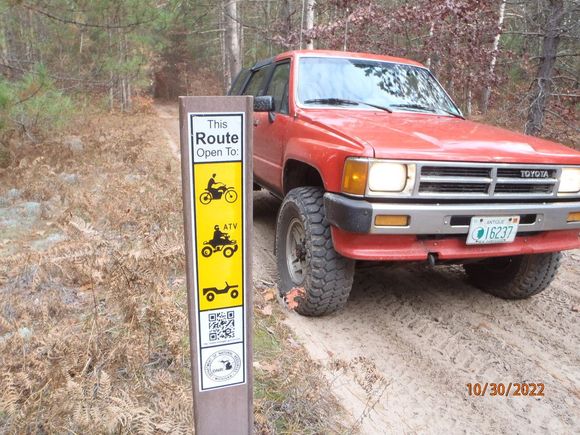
[374, 161]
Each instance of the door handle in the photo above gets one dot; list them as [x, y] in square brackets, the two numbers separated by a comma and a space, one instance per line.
[256, 122]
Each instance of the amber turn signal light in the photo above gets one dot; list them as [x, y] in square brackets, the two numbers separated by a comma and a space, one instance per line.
[574, 216]
[354, 178]
[391, 221]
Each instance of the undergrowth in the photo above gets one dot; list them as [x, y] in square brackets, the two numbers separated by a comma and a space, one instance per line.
[290, 394]
[104, 347]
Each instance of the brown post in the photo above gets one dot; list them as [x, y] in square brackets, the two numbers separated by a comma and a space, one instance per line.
[216, 167]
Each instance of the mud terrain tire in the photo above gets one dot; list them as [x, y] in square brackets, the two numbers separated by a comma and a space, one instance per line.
[514, 277]
[326, 275]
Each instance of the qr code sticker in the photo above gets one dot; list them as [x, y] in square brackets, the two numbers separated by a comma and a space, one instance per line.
[221, 325]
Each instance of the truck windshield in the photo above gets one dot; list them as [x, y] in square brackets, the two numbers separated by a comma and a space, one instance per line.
[352, 82]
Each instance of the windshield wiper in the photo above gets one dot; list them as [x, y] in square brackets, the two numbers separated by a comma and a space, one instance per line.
[449, 112]
[427, 109]
[340, 101]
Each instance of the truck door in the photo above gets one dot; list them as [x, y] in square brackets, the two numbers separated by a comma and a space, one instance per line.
[271, 131]
[256, 87]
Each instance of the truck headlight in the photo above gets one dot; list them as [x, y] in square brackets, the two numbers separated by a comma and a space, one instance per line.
[391, 177]
[569, 180]
[378, 176]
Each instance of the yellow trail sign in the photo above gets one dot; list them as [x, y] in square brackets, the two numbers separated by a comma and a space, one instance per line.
[219, 234]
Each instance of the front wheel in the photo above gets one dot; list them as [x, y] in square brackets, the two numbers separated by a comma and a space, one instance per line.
[228, 251]
[231, 196]
[306, 257]
[514, 277]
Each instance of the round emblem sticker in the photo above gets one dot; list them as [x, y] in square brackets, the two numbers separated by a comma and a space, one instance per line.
[478, 233]
[222, 365]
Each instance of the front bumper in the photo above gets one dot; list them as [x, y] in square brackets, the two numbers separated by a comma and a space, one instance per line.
[358, 216]
[431, 230]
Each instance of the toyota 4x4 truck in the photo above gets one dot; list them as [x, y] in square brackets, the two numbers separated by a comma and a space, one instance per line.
[375, 162]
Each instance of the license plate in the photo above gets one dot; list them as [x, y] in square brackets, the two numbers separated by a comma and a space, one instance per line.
[485, 230]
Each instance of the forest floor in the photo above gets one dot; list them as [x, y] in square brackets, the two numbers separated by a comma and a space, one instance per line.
[411, 338]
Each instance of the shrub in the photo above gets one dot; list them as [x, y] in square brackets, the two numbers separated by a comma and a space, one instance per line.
[33, 105]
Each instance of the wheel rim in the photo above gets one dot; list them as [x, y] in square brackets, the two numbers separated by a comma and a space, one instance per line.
[296, 251]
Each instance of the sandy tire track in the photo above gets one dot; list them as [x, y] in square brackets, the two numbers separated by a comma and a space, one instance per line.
[411, 337]
[429, 333]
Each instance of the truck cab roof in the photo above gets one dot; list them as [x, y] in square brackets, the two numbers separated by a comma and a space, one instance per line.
[332, 53]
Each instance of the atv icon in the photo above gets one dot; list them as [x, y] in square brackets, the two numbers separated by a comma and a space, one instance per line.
[216, 190]
[220, 242]
[210, 292]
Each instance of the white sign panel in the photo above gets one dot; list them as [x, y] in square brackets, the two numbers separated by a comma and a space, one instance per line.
[218, 210]
[222, 365]
[217, 138]
[224, 326]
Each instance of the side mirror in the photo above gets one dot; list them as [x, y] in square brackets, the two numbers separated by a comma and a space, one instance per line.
[264, 104]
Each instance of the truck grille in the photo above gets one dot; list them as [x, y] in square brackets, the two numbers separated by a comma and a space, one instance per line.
[451, 180]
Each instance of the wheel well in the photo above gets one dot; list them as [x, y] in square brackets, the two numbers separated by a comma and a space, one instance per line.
[299, 174]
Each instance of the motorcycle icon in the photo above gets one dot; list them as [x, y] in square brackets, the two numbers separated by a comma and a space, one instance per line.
[210, 292]
[215, 191]
[229, 194]
[220, 242]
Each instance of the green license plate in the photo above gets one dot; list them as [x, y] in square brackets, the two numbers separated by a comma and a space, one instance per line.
[484, 230]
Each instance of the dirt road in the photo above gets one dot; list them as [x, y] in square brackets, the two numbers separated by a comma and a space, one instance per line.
[401, 354]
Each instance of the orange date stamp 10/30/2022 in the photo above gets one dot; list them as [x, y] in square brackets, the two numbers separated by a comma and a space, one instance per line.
[513, 389]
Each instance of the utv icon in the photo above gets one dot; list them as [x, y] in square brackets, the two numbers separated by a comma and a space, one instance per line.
[210, 292]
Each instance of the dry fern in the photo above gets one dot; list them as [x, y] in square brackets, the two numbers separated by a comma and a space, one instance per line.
[91, 333]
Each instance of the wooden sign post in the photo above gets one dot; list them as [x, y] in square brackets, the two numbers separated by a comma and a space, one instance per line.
[216, 156]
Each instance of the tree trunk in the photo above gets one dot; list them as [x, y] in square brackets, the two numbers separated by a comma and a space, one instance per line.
[111, 75]
[309, 23]
[543, 83]
[232, 42]
[469, 100]
[286, 18]
[431, 33]
[487, 91]
[7, 41]
[223, 51]
[344, 46]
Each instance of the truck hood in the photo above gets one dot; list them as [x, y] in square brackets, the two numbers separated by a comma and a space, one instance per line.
[419, 136]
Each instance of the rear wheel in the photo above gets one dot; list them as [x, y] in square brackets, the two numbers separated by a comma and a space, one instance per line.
[514, 277]
[205, 198]
[306, 257]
